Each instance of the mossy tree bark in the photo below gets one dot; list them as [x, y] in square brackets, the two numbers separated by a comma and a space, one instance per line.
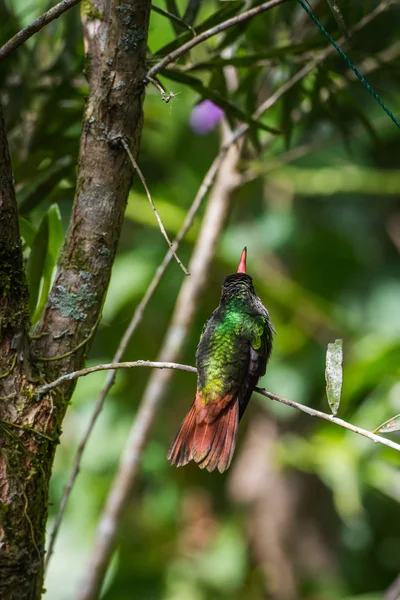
[115, 42]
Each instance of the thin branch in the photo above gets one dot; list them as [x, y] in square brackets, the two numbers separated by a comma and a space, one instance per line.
[111, 366]
[393, 593]
[20, 38]
[321, 415]
[160, 223]
[166, 97]
[189, 369]
[198, 39]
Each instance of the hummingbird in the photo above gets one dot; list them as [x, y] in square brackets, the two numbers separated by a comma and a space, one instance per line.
[232, 355]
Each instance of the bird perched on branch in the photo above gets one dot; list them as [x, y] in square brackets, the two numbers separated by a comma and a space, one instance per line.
[232, 354]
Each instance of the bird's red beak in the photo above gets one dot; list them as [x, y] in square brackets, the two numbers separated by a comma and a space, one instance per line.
[242, 264]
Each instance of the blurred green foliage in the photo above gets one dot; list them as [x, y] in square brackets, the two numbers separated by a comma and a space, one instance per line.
[319, 211]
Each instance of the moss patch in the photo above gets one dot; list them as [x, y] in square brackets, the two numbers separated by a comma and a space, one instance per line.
[73, 304]
[13, 288]
[91, 11]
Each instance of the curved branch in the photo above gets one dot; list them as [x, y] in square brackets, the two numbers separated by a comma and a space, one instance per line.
[189, 369]
[112, 367]
[20, 38]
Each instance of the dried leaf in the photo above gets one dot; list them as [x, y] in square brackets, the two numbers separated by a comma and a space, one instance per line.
[392, 424]
[334, 374]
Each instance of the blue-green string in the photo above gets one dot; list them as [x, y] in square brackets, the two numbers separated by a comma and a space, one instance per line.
[350, 64]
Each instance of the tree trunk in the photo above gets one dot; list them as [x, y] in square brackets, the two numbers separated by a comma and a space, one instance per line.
[115, 43]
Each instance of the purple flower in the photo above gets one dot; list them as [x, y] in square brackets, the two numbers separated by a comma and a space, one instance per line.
[205, 116]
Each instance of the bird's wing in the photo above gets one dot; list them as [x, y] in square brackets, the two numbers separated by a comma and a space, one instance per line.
[259, 350]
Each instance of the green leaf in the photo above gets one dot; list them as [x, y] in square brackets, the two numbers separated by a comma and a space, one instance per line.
[334, 374]
[36, 262]
[191, 11]
[392, 424]
[27, 230]
[213, 95]
[174, 10]
[259, 58]
[55, 240]
[45, 180]
[228, 10]
[172, 7]
[175, 21]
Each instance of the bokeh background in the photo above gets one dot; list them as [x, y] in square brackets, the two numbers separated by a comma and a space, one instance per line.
[307, 510]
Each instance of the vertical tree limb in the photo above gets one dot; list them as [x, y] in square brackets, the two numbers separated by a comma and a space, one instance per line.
[15, 554]
[115, 42]
[13, 288]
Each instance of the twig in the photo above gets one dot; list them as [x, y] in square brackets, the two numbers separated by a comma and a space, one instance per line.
[20, 38]
[189, 369]
[321, 415]
[99, 405]
[160, 223]
[198, 39]
[108, 367]
[10, 368]
[166, 97]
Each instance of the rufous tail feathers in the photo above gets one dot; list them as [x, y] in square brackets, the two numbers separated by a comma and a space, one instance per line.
[207, 439]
